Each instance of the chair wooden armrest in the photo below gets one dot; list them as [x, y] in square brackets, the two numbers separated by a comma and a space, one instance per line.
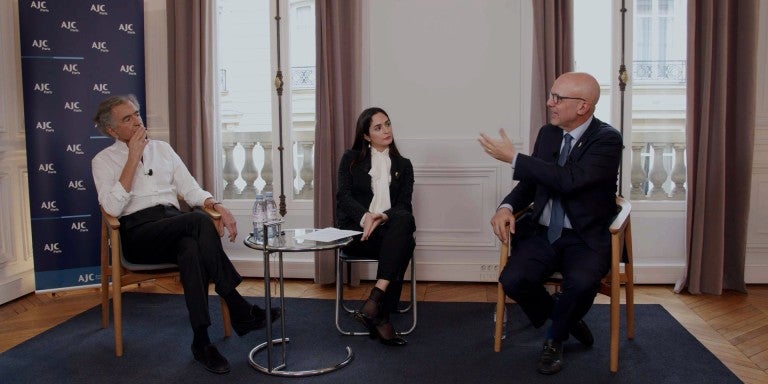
[500, 295]
[216, 218]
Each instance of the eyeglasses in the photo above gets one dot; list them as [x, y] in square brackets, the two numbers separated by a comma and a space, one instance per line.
[558, 98]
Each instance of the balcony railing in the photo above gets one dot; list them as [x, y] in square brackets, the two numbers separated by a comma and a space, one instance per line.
[658, 166]
[303, 77]
[248, 167]
[658, 169]
[665, 71]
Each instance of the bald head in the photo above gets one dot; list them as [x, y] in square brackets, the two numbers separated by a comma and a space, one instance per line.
[572, 100]
[581, 84]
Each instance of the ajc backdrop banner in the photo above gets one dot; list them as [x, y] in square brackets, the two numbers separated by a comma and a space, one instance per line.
[74, 53]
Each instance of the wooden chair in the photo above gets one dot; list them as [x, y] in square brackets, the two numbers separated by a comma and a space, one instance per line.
[124, 273]
[621, 253]
[344, 259]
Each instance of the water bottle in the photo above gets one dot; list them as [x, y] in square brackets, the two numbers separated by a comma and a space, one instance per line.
[259, 216]
[503, 322]
[272, 214]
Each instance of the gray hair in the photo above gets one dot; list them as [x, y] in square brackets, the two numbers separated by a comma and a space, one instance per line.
[103, 118]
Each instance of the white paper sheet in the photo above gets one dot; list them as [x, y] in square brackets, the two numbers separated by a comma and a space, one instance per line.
[328, 234]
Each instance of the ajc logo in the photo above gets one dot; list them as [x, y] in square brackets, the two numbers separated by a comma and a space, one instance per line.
[73, 106]
[128, 69]
[71, 68]
[100, 46]
[44, 126]
[86, 278]
[77, 185]
[101, 9]
[52, 248]
[39, 5]
[44, 88]
[49, 205]
[69, 26]
[79, 226]
[127, 28]
[41, 44]
[75, 148]
[47, 168]
[102, 88]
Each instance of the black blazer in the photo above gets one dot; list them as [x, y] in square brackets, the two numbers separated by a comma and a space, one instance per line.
[355, 194]
[586, 183]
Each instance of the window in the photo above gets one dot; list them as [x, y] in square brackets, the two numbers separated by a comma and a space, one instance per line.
[654, 110]
[248, 105]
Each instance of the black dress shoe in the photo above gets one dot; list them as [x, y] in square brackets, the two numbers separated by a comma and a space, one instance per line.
[379, 329]
[551, 360]
[211, 359]
[386, 334]
[582, 333]
[256, 320]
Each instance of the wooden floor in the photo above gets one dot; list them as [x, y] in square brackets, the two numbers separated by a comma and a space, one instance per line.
[733, 326]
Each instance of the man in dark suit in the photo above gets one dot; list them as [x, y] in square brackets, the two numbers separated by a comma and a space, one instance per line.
[571, 180]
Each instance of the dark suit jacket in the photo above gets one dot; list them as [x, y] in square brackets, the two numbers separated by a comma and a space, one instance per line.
[355, 194]
[586, 183]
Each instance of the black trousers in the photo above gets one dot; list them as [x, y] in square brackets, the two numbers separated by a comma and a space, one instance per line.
[163, 234]
[533, 259]
[392, 244]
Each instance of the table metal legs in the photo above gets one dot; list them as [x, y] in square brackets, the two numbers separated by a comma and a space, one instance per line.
[279, 369]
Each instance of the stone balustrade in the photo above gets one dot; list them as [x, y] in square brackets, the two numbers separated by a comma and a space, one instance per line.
[658, 166]
[250, 163]
[658, 170]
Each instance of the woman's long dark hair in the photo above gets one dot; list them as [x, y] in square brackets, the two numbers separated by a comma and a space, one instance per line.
[363, 128]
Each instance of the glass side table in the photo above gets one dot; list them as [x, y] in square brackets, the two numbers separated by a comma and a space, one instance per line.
[289, 240]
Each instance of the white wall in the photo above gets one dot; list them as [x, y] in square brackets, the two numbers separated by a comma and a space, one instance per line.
[446, 70]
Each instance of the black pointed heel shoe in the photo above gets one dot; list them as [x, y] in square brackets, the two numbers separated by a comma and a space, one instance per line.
[386, 334]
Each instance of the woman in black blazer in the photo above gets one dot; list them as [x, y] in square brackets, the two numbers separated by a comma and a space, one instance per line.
[374, 196]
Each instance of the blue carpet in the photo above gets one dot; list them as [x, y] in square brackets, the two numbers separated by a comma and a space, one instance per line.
[453, 343]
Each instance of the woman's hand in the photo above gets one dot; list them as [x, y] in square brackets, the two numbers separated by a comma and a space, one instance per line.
[372, 220]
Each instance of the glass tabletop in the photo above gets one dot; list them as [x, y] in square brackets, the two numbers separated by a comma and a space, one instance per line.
[291, 240]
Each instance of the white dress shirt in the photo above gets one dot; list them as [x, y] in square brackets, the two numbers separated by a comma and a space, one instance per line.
[160, 178]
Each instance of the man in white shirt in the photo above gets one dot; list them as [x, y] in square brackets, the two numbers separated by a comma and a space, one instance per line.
[138, 180]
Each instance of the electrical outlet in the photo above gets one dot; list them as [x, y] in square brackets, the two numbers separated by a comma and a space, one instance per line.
[489, 276]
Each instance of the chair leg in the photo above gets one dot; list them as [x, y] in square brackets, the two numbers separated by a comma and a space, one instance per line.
[629, 290]
[117, 311]
[225, 318]
[340, 305]
[104, 277]
[412, 305]
[500, 298]
[614, 348]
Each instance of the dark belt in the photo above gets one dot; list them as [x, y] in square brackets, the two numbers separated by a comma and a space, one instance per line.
[147, 215]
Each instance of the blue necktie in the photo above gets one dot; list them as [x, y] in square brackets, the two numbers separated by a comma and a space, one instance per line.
[557, 218]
